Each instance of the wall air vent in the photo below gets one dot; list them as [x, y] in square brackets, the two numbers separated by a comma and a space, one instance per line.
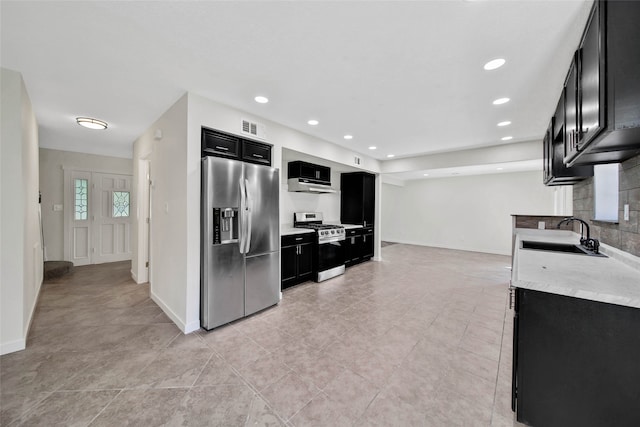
[254, 129]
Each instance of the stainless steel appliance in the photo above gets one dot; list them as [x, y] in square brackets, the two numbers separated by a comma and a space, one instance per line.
[240, 260]
[330, 257]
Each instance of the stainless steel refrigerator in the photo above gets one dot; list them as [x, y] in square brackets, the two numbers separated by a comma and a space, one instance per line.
[240, 254]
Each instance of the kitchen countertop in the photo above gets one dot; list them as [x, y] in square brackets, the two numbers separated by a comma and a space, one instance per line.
[288, 230]
[613, 280]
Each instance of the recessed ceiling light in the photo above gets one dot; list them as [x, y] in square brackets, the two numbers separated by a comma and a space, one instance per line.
[261, 99]
[506, 138]
[313, 122]
[348, 137]
[493, 64]
[90, 123]
[391, 155]
[426, 174]
[499, 169]
[505, 123]
[372, 148]
[501, 101]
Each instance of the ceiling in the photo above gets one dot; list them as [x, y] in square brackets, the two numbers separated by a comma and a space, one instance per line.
[406, 77]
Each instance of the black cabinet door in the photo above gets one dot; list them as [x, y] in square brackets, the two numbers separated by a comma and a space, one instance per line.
[367, 246]
[591, 84]
[357, 198]
[571, 113]
[256, 152]
[289, 265]
[323, 173]
[368, 199]
[577, 361]
[219, 144]
[305, 261]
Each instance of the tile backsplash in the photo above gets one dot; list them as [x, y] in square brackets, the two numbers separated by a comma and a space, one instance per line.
[624, 235]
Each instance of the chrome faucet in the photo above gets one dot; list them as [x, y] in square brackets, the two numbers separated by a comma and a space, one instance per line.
[586, 241]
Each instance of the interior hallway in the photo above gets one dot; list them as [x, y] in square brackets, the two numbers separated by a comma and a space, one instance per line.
[422, 338]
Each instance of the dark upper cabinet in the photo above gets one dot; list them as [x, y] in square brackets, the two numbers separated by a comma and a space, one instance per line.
[221, 144]
[555, 171]
[357, 198]
[607, 96]
[215, 143]
[310, 172]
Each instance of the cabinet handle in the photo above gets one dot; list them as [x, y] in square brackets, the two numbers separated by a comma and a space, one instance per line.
[221, 148]
[364, 238]
[298, 238]
[512, 297]
[258, 156]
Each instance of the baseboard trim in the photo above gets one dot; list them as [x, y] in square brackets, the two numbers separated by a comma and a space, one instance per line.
[184, 327]
[13, 346]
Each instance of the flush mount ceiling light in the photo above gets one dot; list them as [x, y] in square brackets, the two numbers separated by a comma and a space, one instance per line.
[494, 63]
[501, 101]
[261, 99]
[313, 122]
[507, 138]
[499, 169]
[505, 123]
[372, 148]
[348, 137]
[426, 174]
[90, 123]
[391, 155]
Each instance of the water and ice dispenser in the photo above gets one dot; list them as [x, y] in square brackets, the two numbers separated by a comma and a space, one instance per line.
[225, 225]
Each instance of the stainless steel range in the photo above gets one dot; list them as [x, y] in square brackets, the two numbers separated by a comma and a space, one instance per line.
[330, 257]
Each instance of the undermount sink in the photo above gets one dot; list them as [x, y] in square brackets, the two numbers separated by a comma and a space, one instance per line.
[559, 247]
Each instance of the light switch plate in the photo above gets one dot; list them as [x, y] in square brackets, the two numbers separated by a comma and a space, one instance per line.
[57, 208]
[626, 212]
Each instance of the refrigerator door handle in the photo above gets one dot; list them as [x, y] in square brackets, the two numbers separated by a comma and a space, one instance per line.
[249, 206]
[243, 216]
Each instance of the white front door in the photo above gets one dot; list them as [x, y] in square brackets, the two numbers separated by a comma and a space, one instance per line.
[98, 217]
[78, 233]
[112, 217]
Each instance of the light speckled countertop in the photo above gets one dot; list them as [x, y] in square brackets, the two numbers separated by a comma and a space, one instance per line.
[288, 230]
[614, 280]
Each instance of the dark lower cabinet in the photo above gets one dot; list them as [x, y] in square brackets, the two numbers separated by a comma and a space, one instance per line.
[358, 245]
[576, 362]
[296, 254]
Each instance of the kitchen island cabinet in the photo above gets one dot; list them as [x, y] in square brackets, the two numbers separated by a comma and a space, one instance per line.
[577, 362]
[576, 344]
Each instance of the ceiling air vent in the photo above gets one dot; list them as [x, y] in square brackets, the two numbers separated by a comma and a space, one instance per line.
[254, 129]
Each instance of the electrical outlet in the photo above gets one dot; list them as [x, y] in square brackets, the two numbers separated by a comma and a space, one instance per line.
[541, 225]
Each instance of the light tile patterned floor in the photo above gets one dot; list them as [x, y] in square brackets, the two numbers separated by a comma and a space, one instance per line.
[422, 338]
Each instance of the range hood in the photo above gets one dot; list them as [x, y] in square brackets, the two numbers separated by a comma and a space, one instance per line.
[304, 177]
[301, 185]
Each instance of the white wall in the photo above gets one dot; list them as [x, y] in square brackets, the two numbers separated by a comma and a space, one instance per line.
[52, 165]
[20, 247]
[169, 231]
[468, 212]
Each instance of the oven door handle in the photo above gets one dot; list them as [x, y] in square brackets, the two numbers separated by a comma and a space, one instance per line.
[333, 240]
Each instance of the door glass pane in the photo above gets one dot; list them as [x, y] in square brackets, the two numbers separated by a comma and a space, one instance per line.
[80, 203]
[120, 204]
